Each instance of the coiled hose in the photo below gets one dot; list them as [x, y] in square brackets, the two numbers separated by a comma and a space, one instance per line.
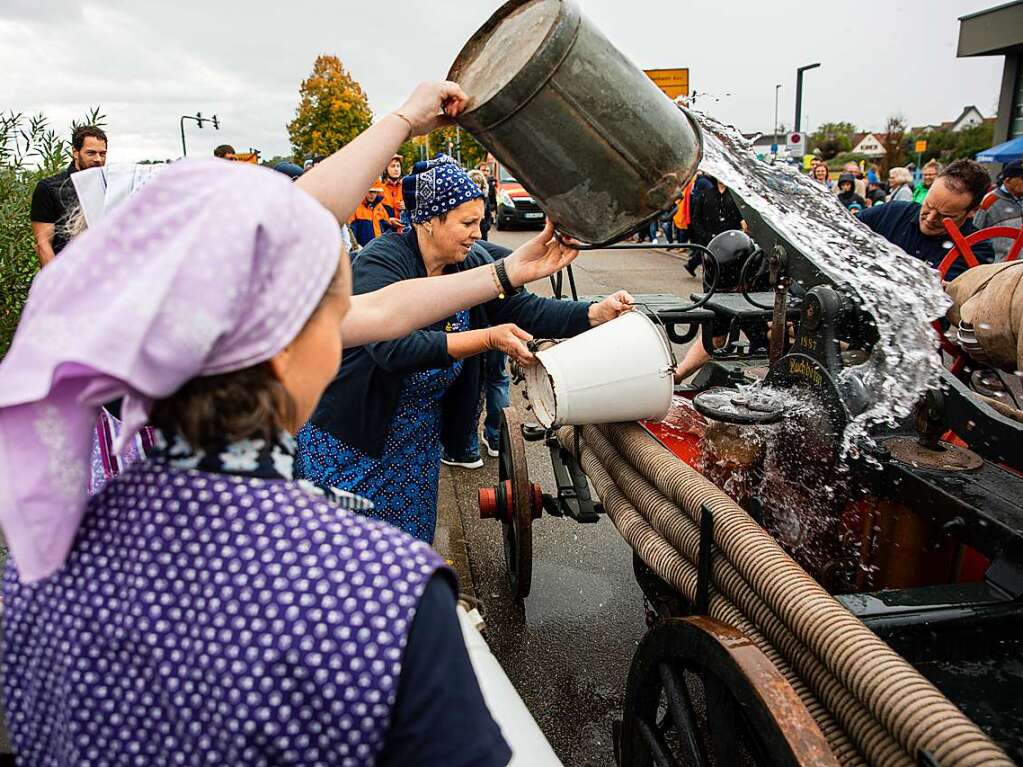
[905, 704]
[661, 556]
[872, 740]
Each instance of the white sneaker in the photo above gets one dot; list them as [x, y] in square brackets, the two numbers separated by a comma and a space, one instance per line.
[492, 452]
[475, 464]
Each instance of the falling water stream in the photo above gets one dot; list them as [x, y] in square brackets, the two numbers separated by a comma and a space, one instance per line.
[902, 293]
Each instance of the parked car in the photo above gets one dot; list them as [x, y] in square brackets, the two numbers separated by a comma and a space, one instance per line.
[515, 205]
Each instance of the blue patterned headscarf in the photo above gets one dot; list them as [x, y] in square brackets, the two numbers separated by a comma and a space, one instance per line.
[435, 187]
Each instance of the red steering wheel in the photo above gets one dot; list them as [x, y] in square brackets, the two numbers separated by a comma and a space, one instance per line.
[961, 248]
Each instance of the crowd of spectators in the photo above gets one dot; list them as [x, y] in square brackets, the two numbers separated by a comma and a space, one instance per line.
[860, 188]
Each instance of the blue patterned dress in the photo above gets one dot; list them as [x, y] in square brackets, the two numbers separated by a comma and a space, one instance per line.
[402, 481]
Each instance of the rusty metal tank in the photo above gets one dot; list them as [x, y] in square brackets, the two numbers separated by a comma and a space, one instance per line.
[600, 147]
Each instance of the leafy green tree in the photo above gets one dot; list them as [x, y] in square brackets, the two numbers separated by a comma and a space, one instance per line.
[832, 139]
[332, 110]
[412, 151]
[457, 143]
[945, 145]
[30, 150]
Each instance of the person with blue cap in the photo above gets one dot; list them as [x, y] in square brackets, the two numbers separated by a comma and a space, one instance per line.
[413, 390]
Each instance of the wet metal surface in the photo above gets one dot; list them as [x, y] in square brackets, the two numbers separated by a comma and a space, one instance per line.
[567, 649]
[617, 151]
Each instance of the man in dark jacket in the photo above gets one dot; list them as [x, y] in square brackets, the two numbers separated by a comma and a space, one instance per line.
[712, 211]
[919, 229]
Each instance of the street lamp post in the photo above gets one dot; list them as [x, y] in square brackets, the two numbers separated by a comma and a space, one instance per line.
[776, 89]
[198, 118]
[799, 92]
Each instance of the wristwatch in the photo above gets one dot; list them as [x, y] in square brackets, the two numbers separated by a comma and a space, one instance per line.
[502, 277]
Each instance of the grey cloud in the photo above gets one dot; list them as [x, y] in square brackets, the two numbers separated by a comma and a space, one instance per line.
[147, 62]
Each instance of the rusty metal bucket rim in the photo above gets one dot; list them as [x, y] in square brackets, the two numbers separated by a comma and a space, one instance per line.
[537, 72]
[580, 245]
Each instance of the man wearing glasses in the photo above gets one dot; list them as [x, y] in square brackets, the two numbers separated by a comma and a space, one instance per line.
[919, 228]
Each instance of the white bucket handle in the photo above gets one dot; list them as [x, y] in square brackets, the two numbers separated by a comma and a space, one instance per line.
[534, 345]
[664, 333]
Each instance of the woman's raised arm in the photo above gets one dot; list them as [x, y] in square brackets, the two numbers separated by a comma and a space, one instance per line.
[402, 307]
[341, 181]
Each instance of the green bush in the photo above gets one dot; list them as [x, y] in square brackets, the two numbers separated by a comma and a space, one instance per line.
[838, 161]
[29, 151]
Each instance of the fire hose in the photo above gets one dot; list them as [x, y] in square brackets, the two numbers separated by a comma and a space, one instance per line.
[861, 689]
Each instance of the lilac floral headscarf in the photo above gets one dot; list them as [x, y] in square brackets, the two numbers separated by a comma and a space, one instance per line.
[211, 267]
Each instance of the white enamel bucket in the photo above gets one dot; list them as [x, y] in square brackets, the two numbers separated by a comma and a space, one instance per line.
[619, 371]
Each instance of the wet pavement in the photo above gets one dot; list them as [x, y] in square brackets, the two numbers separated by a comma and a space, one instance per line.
[567, 649]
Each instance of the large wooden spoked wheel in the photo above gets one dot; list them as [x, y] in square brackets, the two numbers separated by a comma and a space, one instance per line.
[701, 694]
[517, 528]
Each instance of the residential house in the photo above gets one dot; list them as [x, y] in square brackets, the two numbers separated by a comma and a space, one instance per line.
[970, 117]
[867, 144]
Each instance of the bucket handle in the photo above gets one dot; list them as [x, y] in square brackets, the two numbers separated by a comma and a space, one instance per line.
[663, 331]
[538, 344]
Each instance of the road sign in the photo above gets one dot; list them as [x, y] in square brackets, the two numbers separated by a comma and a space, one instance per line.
[796, 144]
[921, 146]
[674, 82]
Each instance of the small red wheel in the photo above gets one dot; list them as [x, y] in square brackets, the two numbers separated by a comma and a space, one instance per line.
[515, 502]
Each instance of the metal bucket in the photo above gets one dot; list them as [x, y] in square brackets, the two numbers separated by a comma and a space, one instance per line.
[586, 132]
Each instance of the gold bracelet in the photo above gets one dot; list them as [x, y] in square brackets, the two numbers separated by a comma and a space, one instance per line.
[497, 281]
[411, 130]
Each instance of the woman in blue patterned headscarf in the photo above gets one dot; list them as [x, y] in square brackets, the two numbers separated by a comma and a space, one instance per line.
[377, 428]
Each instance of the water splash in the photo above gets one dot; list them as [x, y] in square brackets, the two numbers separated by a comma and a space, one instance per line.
[902, 293]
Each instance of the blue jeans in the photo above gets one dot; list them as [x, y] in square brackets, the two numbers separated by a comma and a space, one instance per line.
[495, 385]
[664, 226]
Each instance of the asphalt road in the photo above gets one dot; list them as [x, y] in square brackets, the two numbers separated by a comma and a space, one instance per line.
[567, 649]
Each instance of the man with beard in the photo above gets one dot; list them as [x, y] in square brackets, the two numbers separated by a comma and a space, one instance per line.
[54, 199]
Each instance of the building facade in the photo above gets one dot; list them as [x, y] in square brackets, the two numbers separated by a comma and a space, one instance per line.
[998, 31]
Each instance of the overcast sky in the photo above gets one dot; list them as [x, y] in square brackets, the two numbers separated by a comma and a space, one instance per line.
[146, 63]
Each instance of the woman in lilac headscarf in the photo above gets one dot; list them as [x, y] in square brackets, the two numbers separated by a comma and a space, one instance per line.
[203, 607]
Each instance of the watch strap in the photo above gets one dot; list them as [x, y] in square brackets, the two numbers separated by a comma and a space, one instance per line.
[502, 277]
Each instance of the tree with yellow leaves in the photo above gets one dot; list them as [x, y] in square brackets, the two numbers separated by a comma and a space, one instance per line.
[332, 110]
